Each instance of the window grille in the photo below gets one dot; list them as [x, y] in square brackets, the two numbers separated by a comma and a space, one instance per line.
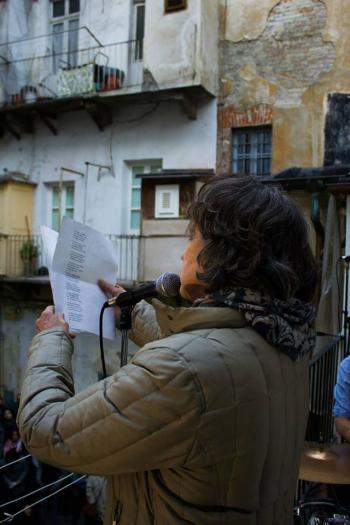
[252, 151]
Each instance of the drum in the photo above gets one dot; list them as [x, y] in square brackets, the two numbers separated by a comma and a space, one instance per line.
[320, 512]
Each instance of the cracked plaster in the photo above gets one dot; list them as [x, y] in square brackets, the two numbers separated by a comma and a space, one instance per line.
[287, 56]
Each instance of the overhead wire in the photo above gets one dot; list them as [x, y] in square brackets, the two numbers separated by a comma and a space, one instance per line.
[15, 461]
[59, 480]
[10, 517]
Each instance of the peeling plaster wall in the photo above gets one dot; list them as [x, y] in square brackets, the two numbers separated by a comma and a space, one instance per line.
[288, 55]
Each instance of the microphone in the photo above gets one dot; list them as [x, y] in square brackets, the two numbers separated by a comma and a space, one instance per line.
[166, 285]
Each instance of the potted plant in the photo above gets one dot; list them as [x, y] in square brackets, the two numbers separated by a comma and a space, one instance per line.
[29, 252]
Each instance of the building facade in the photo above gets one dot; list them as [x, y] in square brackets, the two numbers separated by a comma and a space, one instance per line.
[108, 113]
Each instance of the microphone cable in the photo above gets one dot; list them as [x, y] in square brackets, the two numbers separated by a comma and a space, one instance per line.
[104, 371]
[166, 285]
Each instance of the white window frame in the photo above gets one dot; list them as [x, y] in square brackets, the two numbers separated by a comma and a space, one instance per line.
[142, 168]
[63, 206]
[138, 51]
[62, 60]
[173, 210]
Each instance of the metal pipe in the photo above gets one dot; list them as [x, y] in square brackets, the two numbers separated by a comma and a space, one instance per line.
[72, 51]
[45, 35]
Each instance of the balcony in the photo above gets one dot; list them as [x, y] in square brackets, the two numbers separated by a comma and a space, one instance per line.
[36, 79]
[23, 257]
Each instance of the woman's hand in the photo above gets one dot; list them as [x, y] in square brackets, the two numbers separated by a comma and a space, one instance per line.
[48, 319]
[112, 290]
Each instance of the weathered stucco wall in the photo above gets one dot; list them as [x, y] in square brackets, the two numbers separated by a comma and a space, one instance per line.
[287, 55]
[181, 48]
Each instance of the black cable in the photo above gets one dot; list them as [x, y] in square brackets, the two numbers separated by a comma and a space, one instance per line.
[104, 371]
[144, 115]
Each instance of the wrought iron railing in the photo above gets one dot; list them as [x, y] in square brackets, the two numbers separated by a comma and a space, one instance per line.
[323, 375]
[320, 429]
[24, 256]
[28, 73]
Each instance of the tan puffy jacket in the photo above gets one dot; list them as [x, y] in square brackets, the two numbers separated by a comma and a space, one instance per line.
[205, 426]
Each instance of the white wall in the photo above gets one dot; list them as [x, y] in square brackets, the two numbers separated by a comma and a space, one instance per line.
[166, 134]
[180, 49]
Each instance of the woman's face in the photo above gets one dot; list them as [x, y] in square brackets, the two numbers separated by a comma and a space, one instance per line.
[191, 288]
[7, 414]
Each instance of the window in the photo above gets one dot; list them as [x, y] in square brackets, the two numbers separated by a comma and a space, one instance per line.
[135, 201]
[167, 201]
[62, 205]
[252, 151]
[65, 29]
[174, 5]
[139, 28]
[135, 209]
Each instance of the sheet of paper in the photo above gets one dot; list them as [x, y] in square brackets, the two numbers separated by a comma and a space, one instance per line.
[49, 238]
[82, 256]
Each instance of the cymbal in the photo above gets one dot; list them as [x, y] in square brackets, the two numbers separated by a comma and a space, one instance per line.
[325, 463]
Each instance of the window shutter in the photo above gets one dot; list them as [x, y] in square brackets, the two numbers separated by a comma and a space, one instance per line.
[167, 201]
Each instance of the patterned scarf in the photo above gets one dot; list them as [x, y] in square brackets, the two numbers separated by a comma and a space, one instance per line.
[286, 325]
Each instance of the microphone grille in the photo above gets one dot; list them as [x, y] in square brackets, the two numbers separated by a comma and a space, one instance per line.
[168, 284]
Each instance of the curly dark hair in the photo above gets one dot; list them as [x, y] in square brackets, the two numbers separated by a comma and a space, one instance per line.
[256, 237]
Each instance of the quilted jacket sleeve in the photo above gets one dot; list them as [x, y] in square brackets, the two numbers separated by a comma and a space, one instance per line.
[143, 417]
[145, 327]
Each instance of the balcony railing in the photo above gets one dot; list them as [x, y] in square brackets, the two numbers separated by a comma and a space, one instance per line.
[323, 376]
[29, 73]
[23, 256]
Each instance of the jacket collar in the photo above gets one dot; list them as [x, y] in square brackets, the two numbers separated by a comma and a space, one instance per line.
[174, 320]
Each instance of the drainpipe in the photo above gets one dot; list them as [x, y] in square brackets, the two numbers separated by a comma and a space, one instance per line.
[319, 229]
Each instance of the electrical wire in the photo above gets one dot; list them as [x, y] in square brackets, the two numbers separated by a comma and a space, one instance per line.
[59, 480]
[13, 462]
[10, 517]
[144, 115]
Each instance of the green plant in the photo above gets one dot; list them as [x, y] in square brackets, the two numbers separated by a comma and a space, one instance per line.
[29, 250]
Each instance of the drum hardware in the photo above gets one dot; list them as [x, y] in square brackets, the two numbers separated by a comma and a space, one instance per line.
[320, 512]
[324, 463]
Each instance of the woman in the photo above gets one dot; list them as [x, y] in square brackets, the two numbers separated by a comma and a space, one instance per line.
[13, 443]
[206, 424]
